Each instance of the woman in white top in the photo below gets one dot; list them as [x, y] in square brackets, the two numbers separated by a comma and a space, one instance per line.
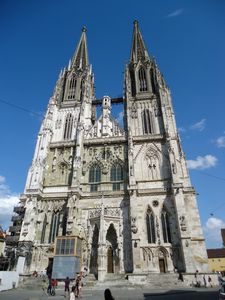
[72, 294]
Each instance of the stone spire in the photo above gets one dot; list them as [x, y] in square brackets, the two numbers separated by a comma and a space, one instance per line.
[138, 49]
[80, 58]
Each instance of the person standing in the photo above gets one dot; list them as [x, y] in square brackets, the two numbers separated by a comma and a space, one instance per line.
[108, 295]
[72, 294]
[67, 285]
[210, 281]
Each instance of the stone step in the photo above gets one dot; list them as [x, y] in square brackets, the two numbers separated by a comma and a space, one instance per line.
[160, 280]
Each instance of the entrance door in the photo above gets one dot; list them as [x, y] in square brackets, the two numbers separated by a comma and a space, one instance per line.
[110, 260]
[162, 265]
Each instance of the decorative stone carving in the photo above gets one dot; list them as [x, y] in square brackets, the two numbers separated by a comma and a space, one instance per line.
[134, 228]
[183, 224]
[24, 248]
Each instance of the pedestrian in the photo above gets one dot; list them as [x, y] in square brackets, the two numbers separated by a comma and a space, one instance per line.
[204, 280]
[108, 295]
[210, 281]
[77, 288]
[49, 289]
[44, 287]
[80, 286]
[67, 285]
[72, 294]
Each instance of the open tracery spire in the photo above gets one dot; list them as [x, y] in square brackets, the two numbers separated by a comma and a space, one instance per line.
[80, 58]
[138, 48]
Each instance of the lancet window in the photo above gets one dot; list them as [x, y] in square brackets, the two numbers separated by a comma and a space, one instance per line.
[132, 80]
[68, 127]
[150, 223]
[147, 121]
[165, 227]
[152, 81]
[54, 229]
[116, 176]
[43, 229]
[94, 178]
[72, 88]
[142, 80]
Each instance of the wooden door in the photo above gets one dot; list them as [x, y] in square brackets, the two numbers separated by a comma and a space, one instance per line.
[110, 260]
[162, 265]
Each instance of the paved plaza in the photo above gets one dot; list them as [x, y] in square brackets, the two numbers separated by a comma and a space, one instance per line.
[131, 293]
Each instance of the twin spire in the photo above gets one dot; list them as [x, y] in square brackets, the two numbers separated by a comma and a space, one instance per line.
[138, 49]
[80, 58]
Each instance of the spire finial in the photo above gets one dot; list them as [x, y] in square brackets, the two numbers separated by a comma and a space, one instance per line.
[84, 29]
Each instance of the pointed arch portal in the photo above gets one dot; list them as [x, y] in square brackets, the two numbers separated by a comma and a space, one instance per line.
[112, 255]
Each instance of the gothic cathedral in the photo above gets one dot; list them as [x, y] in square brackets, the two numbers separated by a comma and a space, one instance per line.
[120, 195]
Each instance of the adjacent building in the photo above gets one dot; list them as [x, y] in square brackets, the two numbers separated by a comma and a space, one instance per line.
[216, 259]
[123, 192]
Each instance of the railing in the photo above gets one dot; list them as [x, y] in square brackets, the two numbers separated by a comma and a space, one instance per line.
[15, 228]
[19, 209]
[12, 239]
[16, 218]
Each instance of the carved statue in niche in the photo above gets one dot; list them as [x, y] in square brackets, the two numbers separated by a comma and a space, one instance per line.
[133, 111]
[183, 223]
[153, 165]
[134, 228]
[173, 161]
[54, 164]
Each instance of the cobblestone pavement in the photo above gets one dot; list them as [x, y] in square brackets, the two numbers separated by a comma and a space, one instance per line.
[134, 293]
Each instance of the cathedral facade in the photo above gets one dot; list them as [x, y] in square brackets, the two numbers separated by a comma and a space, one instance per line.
[124, 191]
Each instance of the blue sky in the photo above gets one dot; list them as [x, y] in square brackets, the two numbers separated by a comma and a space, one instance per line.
[186, 38]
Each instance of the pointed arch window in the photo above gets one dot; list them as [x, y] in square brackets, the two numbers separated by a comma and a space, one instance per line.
[147, 121]
[94, 178]
[116, 176]
[153, 81]
[43, 230]
[142, 80]
[165, 227]
[132, 80]
[72, 88]
[68, 127]
[150, 223]
[54, 229]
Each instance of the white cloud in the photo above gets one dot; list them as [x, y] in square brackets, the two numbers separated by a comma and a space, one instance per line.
[212, 232]
[7, 201]
[200, 126]
[181, 129]
[202, 162]
[119, 119]
[220, 142]
[175, 13]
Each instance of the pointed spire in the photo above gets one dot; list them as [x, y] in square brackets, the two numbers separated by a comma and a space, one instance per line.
[80, 58]
[138, 49]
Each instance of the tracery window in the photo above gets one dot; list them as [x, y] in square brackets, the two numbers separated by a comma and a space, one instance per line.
[150, 223]
[68, 127]
[44, 229]
[72, 88]
[54, 229]
[116, 176]
[152, 81]
[142, 80]
[165, 227]
[94, 177]
[147, 121]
